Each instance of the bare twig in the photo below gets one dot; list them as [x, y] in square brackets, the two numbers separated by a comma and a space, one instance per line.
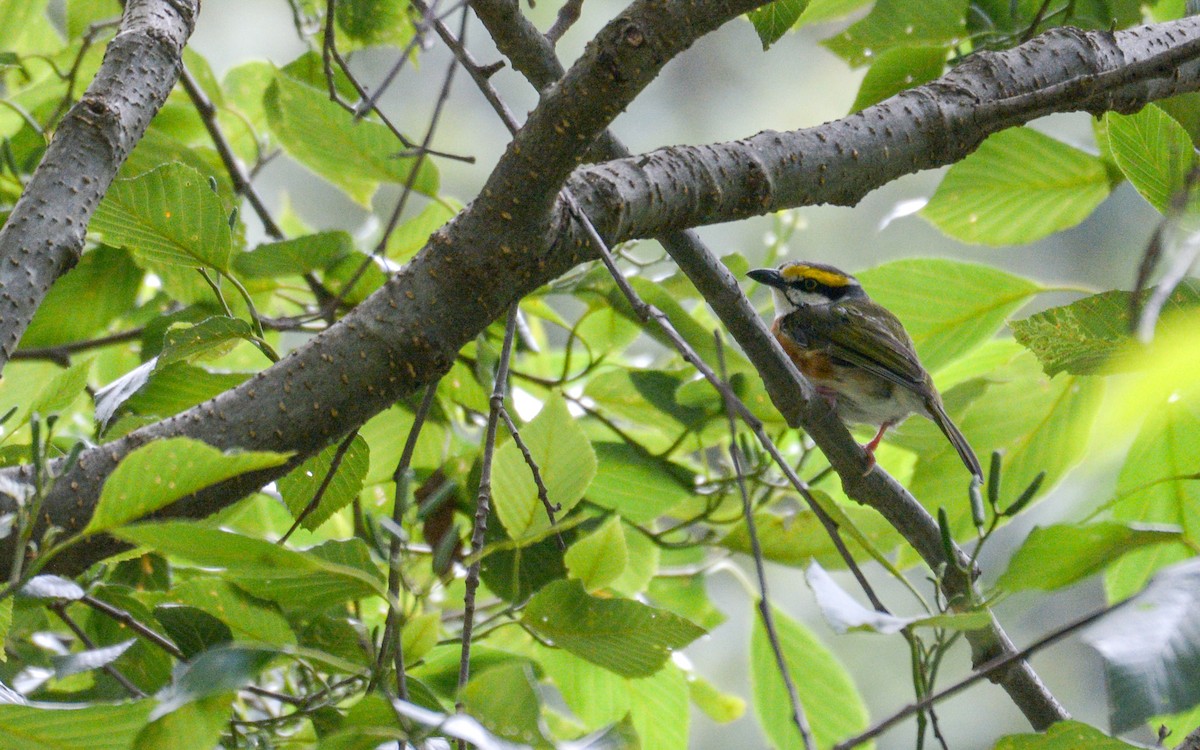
[60, 609]
[568, 14]
[61, 354]
[542, 492]
[764, 599]
[394, 624]
[482, 505]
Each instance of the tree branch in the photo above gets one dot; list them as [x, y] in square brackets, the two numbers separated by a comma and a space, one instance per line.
[43, 237]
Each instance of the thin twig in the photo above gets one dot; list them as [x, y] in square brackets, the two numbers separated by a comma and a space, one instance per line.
[568, 14]
[542, 492]
[61, 354]
[482, 504]
[334, 465]
[126, 619]
[764, 600]
[393, 627]
[60, 609]
[984, 671]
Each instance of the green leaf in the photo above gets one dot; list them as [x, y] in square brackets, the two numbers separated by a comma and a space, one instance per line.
[86, 299]
[1059, 555]
[948, 307]
[1064, 735]
[172, 389]
[295, 257]
[834, 708]
[1156, 487]
[1039, 424]
[355, 156]
[565, 459]
[1151, 649]
[504, 700]
[209, 338]
[196, 725]
[260, 567]
[374, 21]
[820, 11]
[63, 389]
[599, 558]
[900, 23]
[301, 484]
[658, 707]
[620, 635]
[772, 20]
[167, 216]
[1153, 151]
[641, 565]
[799, 538]
[636, 486]
[1084, 337]
[1019, 186]
[161, 472]
[412, 234]
[898, 69]
[96, 727]
[719, 706]
[217, 671]
[192, 629]
[596, 696]
[247, 619]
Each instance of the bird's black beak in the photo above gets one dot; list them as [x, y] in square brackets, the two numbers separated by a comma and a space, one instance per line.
[768, 276]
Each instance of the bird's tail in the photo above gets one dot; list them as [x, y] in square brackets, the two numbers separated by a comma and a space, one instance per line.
[955, 436]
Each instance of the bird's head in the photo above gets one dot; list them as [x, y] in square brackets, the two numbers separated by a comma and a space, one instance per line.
[797, 283]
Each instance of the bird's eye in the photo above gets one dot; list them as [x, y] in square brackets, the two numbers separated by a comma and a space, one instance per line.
[809, 285]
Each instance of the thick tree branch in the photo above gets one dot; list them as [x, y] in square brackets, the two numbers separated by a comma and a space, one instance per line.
[43, 237]
[407, 334]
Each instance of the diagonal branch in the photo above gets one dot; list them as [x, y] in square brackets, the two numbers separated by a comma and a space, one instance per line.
[43, 237]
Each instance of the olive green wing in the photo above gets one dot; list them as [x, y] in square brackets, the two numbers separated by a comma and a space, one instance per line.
[872, 339]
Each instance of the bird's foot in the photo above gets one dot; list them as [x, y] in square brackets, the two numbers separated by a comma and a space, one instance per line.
[871, 446]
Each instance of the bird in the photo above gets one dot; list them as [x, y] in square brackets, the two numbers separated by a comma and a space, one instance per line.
[855, 352]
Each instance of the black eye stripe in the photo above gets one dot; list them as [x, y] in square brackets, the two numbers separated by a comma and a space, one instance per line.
[810, 285]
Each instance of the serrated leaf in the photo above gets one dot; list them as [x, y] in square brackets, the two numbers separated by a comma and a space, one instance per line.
[948, 307]
[267, 570]
[1019, 186]
[159, 473]
[833, 706]
[356, 156]
[209, 338]
[1084, 337]
[1059, 555]
[564, 457]
[295, 257]
[1151, 649]
[300, 485]
[621, 635]
[172, 389]
[1153, 151]
[772, 20]
[898, 69]
[599, 558]
[900, 23]
[167, 216]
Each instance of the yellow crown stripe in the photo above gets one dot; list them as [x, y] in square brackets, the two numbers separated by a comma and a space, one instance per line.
[828, 278]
